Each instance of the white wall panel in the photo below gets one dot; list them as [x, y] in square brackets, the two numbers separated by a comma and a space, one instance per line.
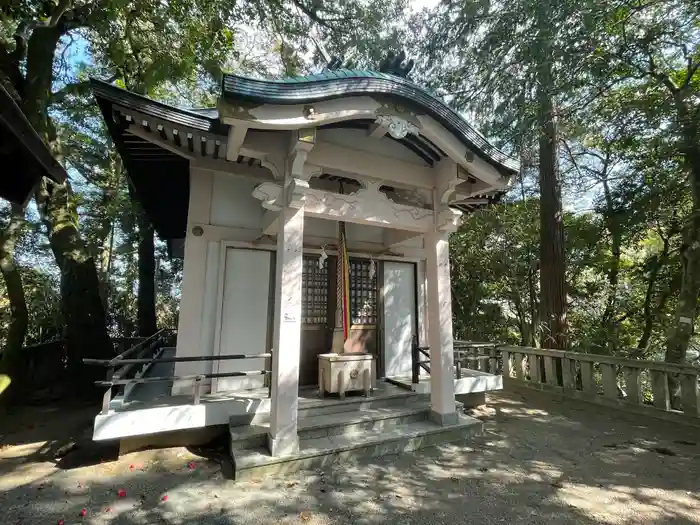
[233, 204]
[244, 316]
[399, 317]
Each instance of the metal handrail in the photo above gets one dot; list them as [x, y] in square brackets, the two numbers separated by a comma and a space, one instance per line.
[196, 378]
[190, 359]
[155, 344]
[116, 359]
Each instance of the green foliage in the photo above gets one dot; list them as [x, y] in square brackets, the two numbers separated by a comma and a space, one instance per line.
[623, 148]
[173, 51]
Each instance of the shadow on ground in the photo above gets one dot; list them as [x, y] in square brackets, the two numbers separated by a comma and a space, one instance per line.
[539, 461]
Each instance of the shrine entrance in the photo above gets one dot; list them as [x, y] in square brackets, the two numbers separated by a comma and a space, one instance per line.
[319, 304]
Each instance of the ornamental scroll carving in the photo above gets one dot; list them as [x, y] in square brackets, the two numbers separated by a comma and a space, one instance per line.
[366, 206]
[397, 127]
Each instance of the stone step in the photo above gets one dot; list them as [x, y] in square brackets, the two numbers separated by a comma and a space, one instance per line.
[309, 406]
[355, 422]
[330, 405]
[317, 452]
[338, 423]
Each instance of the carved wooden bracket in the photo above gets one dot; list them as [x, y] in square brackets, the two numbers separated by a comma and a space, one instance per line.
[296, 193]
[268, 194]
[447, 181]
[448, 220]
[302, 142]
[366, 206]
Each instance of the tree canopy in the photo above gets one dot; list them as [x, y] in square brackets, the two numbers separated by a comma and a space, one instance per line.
[596, 246]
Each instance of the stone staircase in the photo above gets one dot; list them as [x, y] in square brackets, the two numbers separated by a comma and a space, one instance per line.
[331, 430]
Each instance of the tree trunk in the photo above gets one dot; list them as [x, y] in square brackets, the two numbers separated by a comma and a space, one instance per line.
[81, 304]
[19, 318]
[552, 263]
[686, 311]
[523, 324]
[85, 331]
[146, 302]
[146, 295]
[683, 326]
[532, 301]
[612, 225]
[648, 313]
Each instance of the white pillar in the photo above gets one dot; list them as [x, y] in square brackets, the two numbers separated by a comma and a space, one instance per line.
[442, 391]
[283, 438]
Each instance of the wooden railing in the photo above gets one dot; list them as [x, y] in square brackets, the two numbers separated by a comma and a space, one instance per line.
[635, 385]
[420, 359]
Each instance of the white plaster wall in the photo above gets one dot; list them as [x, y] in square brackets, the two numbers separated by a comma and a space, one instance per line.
[362, 233]
[320, 228]
[233, 204]
[355, 233]
[359, 140]
[206, 340]
[223, 206]
[193, 282]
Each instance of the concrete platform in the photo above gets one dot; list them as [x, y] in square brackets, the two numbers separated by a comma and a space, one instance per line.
[378, 441]
[471, 382]
[155, 411]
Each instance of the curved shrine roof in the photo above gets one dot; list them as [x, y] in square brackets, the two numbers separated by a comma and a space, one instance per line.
[164, 192]
[348, 83]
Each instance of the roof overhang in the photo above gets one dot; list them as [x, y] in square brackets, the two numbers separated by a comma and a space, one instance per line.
[367, 95]
[24, 156]
[158, 144]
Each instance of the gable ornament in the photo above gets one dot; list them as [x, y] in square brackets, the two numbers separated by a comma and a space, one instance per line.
[398, 128]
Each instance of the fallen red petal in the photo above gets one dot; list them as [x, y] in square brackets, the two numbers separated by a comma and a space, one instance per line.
[60, 522]
[122, 493]
[165, 497]
[83, 512]
[191, 465]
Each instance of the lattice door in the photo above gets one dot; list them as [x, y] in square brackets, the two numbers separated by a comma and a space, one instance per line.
[363, 293]
[314, 289]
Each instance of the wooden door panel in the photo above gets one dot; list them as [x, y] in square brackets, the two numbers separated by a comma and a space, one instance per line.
[315, 318]
[314, 341]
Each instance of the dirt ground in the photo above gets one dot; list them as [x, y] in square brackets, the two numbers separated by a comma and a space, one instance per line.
[539, 461]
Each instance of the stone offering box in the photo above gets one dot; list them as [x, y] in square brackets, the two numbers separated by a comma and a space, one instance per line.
[341, 373]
